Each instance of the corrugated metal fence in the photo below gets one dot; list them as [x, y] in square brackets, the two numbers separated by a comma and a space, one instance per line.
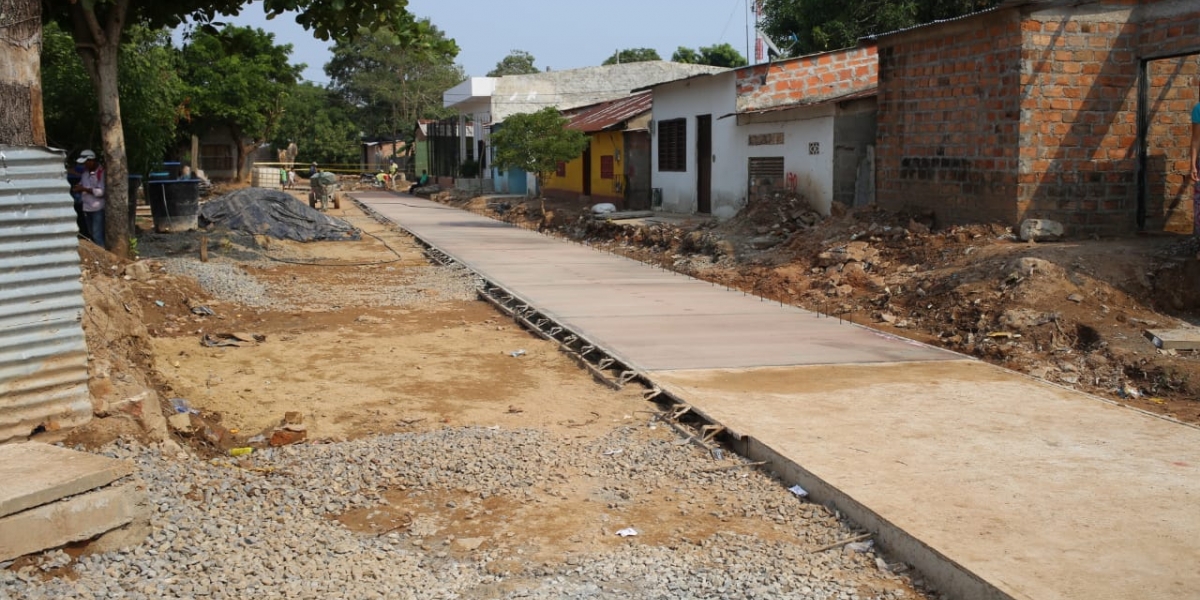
[43, 355]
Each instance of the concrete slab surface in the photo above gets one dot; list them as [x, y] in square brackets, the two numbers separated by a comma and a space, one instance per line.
[994, 485]
[80, 517]
[34, 474]
[1041, 491]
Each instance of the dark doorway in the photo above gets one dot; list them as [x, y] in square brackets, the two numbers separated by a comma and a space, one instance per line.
[704, 161]
[587, 171]
[1167, 90]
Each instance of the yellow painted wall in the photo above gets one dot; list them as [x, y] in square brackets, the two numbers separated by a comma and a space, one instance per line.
[602, 144]
[572, 183]
[608, 143]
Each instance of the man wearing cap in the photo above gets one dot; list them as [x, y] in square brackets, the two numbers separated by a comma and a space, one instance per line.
[91, 191]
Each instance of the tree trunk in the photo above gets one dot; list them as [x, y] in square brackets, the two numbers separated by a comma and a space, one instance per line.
[21, 122]
[116, 167]
[98, 45]
[243, 153]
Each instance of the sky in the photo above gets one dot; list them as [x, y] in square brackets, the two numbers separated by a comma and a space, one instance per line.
[561, 34]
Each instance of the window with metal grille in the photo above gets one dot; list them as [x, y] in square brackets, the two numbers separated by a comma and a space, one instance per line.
[561, 171]
[606, 167]
[672, 145]
[216, 157]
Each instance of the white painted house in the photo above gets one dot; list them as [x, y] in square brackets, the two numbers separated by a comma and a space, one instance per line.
[696, 165]
[490, 100]
[804, 125]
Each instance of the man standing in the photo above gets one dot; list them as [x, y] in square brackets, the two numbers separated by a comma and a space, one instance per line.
[1195, 157]
[91, 192]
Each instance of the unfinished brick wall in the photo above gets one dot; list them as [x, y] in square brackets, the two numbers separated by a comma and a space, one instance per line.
[1171, 94]
[807, 78]
[949, 112]
[1173, 89]
[1079, 121]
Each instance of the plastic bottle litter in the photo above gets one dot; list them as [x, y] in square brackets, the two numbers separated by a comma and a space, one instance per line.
[627, 532]
[798, 491]
[240, 451]
[181, 405]
[516, 354]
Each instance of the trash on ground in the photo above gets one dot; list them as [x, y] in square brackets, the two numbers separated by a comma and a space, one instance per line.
[181, 406]
[604, 208]
[213, 340]
[517, 354]
[798, 491]
[240, 451]
[861, 546]
[276, 214]
[627, 532]
[613, 452]
[203, 311]
[159, 303]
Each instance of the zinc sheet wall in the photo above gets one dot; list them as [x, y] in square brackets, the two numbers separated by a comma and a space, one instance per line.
[43, 356]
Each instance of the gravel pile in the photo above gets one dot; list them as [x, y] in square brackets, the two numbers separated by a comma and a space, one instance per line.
[230, 275]
[262, 527]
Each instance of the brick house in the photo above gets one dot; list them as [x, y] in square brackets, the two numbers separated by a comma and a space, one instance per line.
[1073, 110]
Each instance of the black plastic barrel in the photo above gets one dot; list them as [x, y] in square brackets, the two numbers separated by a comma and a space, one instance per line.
[174, 168]
[174, 204]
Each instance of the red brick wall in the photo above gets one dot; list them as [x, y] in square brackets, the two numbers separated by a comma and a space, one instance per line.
[1079, 123]
[1172, 92]
[807, 78]
[949, 112]
[1013, 115]
[1173, 89]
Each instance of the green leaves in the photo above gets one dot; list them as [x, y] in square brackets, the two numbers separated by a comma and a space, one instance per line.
[536, 142]
[719, 55]
[631, 55]
[518, 62]
[392, 84]
[820, 25]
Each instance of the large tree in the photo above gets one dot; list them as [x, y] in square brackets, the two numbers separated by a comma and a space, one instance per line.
[99, 27]
[631, 55]
[238, 78]
[518, 62]
[319, 121]
[718, 55]
[150, 86]
[392, 86]
[536, 143]
[820, 25]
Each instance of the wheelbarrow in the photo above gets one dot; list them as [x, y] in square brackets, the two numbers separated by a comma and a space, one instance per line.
[323, 191]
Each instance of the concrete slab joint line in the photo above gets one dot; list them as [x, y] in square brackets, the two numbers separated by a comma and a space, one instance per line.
[1033, 482]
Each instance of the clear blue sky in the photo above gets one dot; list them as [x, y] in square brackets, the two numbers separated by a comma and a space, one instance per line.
[561, 34]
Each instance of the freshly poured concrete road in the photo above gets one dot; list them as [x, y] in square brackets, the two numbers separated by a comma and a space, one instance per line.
[994, 485]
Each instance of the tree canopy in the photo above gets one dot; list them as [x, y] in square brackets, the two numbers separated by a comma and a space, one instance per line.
[632, 55]
[99, 26]
[536, 143]
[820, 25]
[718, 55]
[320, 122]
[238, 78]
[518, 62]
[391, 86]
[149, 84]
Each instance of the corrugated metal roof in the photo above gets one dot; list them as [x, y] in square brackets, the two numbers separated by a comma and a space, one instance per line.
[612, 113]
[43, 355]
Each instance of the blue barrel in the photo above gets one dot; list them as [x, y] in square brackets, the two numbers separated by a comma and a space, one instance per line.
[174, 204]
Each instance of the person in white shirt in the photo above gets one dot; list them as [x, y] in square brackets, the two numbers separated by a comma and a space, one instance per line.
[91, 190]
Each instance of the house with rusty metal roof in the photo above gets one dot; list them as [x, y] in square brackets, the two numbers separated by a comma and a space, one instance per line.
[615, 167]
